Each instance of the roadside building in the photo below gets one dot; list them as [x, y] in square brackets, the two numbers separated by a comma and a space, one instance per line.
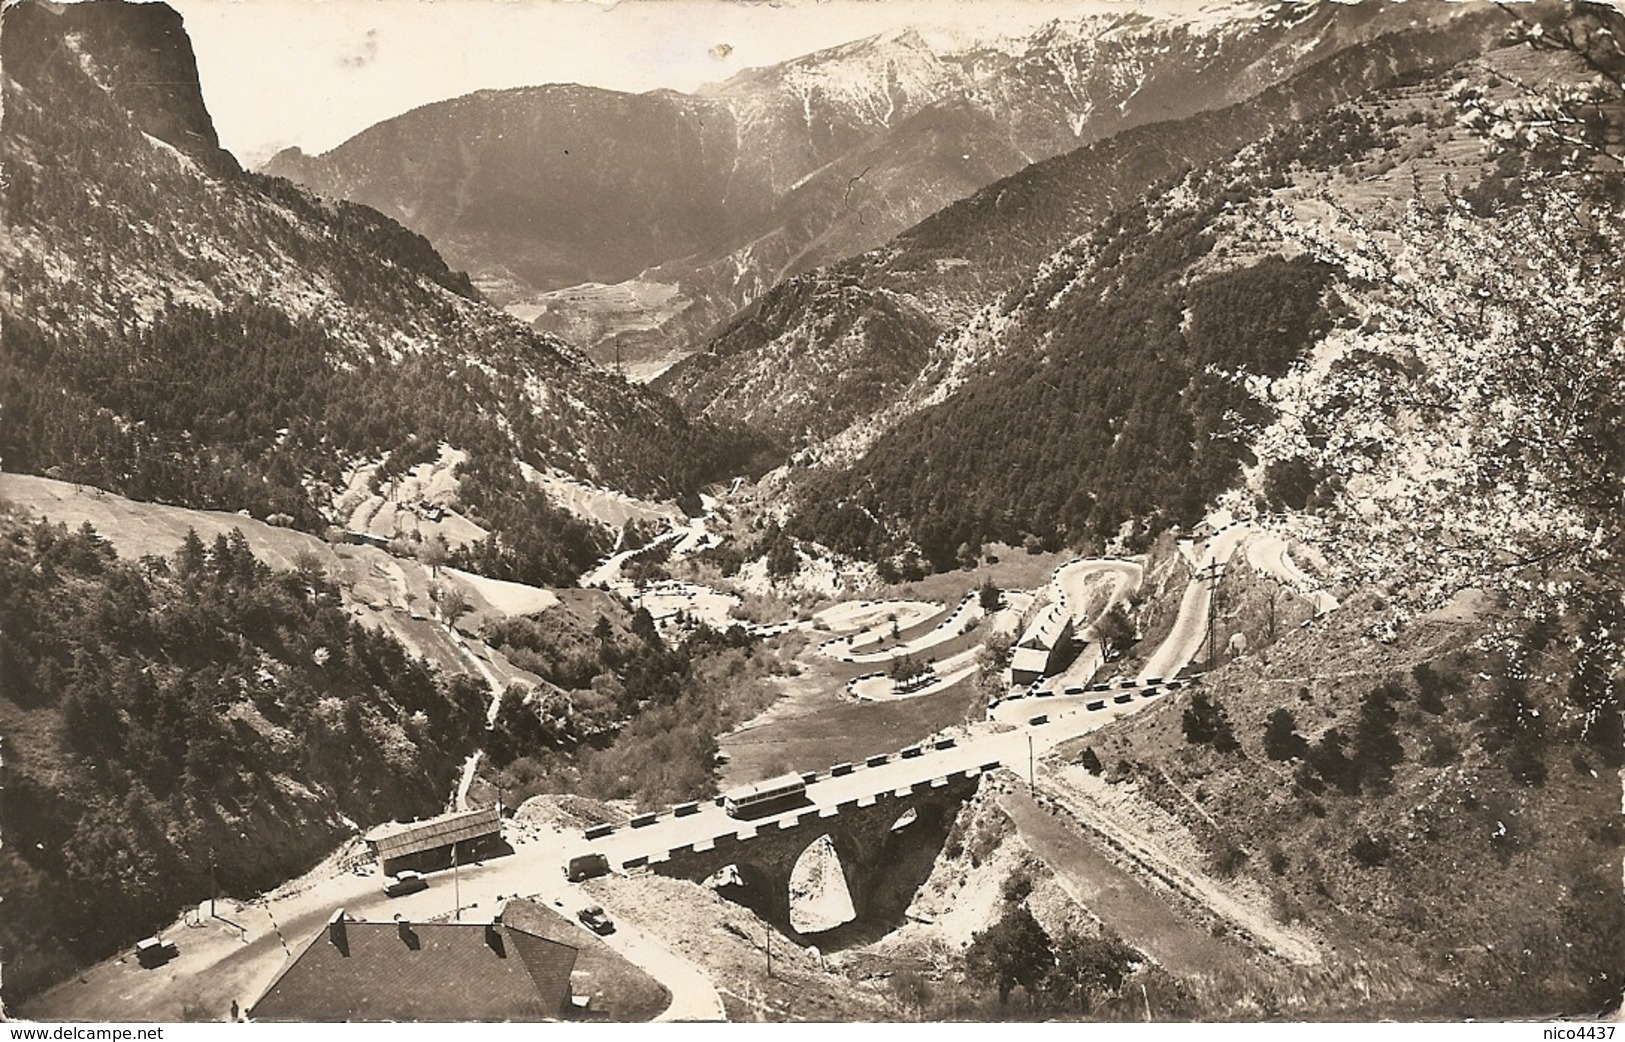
[1027, 665]
[432, 844]
[1043, 649]
[410, 972]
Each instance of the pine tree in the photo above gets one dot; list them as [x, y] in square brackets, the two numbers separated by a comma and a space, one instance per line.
[1281, 738]
[191, 557]
[1377, 749]
[1014, 950]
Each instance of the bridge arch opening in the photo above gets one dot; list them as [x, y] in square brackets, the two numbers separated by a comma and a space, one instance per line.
[745, 884]
[820, 898]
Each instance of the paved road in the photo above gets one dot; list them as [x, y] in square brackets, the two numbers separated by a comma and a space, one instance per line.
[1190, 627]
[1074, 579]
[1269, 553]
[987, 744]
[967, 612]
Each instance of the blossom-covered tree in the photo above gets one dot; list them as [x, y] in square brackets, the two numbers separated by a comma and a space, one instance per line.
[1566, 122]
[1468, 422]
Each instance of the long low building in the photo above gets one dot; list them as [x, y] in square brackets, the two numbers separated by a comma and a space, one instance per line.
[1028, 665]
[435, 843]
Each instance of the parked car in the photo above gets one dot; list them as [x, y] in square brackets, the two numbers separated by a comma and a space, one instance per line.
[407, 882]
[594, 919]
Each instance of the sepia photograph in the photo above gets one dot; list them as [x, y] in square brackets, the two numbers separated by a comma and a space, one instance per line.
[905, 512]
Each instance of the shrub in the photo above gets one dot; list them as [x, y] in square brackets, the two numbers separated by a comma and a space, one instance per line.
[1371, 851]
[1228, 858]
[1018, 884]
[1015, 950]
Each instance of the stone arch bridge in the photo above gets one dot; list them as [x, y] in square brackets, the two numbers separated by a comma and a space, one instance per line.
[864, 832]
[865, 828]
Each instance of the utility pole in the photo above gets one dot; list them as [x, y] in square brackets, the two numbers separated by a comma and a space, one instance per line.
[1209, 623]
[1030, 783]
[456, 886]
[770, 951]
[1210, 575]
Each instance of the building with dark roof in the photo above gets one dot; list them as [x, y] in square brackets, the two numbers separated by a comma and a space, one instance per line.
[424, 972]
[1043, 648]
[433, 843]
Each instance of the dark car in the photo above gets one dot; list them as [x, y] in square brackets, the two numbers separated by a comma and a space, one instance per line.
[586, 866]
[408, 882]
[594, 919]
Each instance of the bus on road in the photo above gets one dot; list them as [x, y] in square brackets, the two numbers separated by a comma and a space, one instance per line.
[765, 797]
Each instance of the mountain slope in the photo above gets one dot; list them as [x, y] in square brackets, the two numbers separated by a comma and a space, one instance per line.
[1443, 820]
[719, 195]
[1119, 381]
[964, 257]
[189, 716]
[178, 329]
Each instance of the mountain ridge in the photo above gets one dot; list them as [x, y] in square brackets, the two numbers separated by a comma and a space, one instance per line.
[819, 180]
[182, 330]
[970, 253]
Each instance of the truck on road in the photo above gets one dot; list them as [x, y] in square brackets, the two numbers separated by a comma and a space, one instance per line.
[586, 866]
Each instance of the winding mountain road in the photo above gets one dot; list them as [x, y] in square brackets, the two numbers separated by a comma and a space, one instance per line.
[1074, 582]
[1190, 626]
[1270, 554]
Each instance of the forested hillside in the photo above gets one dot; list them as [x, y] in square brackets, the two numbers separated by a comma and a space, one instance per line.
[178, 330]
[1114, 394]
[1122, 380]
[175, 715]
